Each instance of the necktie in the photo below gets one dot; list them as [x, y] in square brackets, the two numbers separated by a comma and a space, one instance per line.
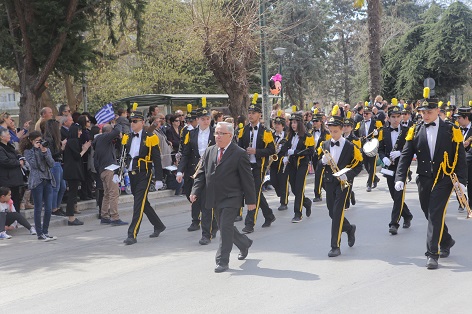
[427, 125]
[464, 130]
[254, 128]
[277, 137]
[335, 143]
[394, 130]
[367, 121]
[222, 150]
[316, 131]
[136, 134]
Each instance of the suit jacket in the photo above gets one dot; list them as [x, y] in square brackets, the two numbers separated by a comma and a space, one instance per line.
[190, 154]
[64, 133]
[417, 143]
[228, 183]
[350, 157]
[386, 146]
[143, 153]
[263, 148]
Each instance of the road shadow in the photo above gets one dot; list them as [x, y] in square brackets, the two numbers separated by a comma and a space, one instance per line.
[250, 267]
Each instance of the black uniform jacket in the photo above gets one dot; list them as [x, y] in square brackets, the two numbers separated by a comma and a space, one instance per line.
[190, 155]
[386, 146]
[302, 153]
[149, 144]
[264, 143]
[350, 157]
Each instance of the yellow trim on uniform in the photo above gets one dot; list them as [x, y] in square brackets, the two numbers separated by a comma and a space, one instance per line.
[375, 168]
[321, 180]
[443, 218]
[286, 190]
[341, 223]
[187, 138]
[142, 208]
[303, 191]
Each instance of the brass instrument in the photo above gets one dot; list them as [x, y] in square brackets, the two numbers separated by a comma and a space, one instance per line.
[275, 157]
[460, 194]
[199, 166]
[334, 169]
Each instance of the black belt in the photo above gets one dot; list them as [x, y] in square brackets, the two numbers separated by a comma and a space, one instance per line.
[136, 171]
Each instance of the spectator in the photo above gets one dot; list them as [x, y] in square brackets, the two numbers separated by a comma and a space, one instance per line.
[75, 116]
[167, 125]
[8, 123]
[64, 110]
[217, 117]
[46, 114]
[87, 184]
[181, 117]
[152, 113]
[56, 146]
[164, 145]
[94, 132]
[66, 122]
[40, 181]
[105, 156]
[73, 170]
[123, 120]
[173, 135]
[10, 167]
[8, 215]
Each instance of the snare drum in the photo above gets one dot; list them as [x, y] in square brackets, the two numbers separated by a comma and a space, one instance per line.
[371, 147]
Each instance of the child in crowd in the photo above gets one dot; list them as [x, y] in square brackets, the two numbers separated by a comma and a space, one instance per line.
[8, 214]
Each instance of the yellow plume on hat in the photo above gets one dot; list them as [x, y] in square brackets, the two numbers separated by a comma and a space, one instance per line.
[470, 103]
[279, 113]
[440, 104]
[405, 105]
[335, 110]
[366, 103]
[135, 106]
[254, 98]
[294, 108]
[394, 101]
[189, 108]
[316, 111]
[426, 91]
[204, 102]
[449, 103]
[448, 114]
[348, 114]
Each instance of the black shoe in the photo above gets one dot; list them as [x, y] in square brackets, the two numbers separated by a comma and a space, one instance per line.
[130, 241]
[407, 222]
[460, 209]
[447, 250]
[119, 222]
[368, 189]
[194, 227]
[334, 252]
[296, 219]
[58, 212]
[393, 230]
[268, 222]
[351, 236]
[308, 207]
[213, 234]
[353, 198]
[243, 253]
[238, 218]
[376, 180]
[283, 207]
[248, 229]
[432, 263]
[221, 268]
[76, 222]
[317, 199]
[409, 176]
[204, 241]
[105, 221]
[157, 232]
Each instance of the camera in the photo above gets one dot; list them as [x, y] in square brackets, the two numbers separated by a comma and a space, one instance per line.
[44, 143]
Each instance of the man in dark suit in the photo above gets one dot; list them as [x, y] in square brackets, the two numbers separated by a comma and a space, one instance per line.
[259, 145]
[463, 118]
[440, 153]
[66, 122]
[226, 179]
[143, 153]
[390, 149]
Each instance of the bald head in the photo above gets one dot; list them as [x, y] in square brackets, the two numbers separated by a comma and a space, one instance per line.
[107, 128]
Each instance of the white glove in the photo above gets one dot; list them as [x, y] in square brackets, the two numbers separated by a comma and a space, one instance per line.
[375, 132]
[395, 154]
[386, 161]
[399, 185]
[159, 185]
[285, 160]
[343, 177]
[116, 179]
[324, 160]
[290, 152]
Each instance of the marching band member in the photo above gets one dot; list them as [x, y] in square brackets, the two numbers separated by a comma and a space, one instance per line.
[320, 134]
[367, 129]
[440, 154]
[143, 154]
[344, 154]
[279, 178]
[390, 149]
[463, 118]
[194, 145]
[259, 144]
[297, 151]
[406, 122]
[349, 136]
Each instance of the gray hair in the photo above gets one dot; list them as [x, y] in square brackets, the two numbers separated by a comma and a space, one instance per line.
[229, 126]
[63, 119]
[3, 130]
[107, 128]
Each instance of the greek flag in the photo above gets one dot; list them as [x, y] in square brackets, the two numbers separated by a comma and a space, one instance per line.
[106, 114]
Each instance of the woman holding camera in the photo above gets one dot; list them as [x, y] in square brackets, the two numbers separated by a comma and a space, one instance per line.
[40, 181]
[10, 168]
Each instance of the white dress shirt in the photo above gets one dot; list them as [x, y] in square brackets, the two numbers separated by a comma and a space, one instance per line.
[394, 136]
[295, 139]
[465, 133]
[278, 137]
[316, 136]
[134, 148]
[252, 158]
[336, 150]
[432, 135]
[367, 127]
[203, 136]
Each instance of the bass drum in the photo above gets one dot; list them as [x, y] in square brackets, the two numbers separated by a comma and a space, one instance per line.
[371, 147]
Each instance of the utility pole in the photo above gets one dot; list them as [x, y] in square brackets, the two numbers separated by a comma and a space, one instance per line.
[266, 107]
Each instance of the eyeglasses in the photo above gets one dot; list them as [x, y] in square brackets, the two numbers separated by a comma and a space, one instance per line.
[135, 121]
[316, 120]
[366, 113]
[221, 133]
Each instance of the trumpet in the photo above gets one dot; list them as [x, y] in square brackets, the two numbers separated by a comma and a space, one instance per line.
[197, 168]
[334, 169]
[460, 194]
[272, 158]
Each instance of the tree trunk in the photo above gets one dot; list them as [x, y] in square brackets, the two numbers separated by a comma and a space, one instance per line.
[373, 22]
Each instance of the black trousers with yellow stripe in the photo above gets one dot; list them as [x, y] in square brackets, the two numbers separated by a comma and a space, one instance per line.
[196, 208]
[251, 216]
[433, 202]
[400, 209]
[297, 178]
[370, 167]
[319, 169]
[279, 181]
[140, 182]
[336, 200]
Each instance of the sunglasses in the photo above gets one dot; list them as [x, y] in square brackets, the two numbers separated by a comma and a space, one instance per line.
[135, 121]
[366, 113]
[316, 120]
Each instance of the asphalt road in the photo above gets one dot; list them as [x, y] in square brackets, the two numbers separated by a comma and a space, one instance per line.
[88, 269]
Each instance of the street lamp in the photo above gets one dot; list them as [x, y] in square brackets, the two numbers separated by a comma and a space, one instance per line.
[280, 51]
